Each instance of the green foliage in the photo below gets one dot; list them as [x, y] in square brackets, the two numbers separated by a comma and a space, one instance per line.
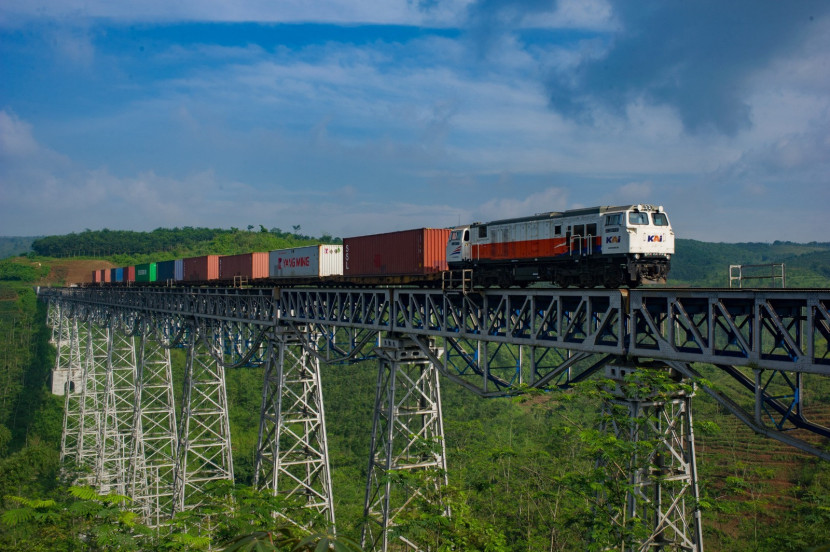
[707, 264]
[127, 247]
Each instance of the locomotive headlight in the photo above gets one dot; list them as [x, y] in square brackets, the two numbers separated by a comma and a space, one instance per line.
[636, 255]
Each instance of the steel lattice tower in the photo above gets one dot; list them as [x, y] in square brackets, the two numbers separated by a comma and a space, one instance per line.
[407, 436]
[292, 452]
[662, 485]
[93, 391]
[118, 409]
[204, 444]
[68, 369]
[154, 431]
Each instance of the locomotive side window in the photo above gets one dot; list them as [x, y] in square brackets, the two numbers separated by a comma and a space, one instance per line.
[557, 230]
[660, 219]
[579, 230]
[482, 231]
[614, 220]
[637, 218]
[591, 229]
[467, 235]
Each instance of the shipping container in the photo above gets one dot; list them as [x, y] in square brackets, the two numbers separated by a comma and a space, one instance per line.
[117, 275]
[415, 252]
[246, 265]
[105, 275]
[200, 269]
[96, 276]
[129, 273]
[302, 262]
[178, 270]
[165, 270]
[146, 272]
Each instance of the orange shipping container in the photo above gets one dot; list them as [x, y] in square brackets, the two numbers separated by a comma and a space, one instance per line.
[247, 265]
[129, 274]
[416, 252]
[200, 269]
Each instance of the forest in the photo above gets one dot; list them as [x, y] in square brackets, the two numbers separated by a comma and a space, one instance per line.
[521, 470]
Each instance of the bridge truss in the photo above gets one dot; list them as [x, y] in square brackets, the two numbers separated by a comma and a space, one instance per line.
[493, 343]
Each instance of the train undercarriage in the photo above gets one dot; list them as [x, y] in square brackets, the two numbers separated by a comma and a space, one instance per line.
[584, 272]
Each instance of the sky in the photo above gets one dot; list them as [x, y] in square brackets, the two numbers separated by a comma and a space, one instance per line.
[353, 117]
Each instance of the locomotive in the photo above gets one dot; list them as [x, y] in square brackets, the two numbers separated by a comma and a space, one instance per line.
[611, 246]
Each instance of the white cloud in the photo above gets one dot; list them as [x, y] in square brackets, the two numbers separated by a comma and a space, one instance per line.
[389, 12]
[550, 199]
[16, 139]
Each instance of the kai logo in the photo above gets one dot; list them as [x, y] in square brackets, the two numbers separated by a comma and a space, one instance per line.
[655, 239]
[612, 239]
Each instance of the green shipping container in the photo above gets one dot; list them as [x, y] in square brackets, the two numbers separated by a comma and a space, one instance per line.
[145, 272]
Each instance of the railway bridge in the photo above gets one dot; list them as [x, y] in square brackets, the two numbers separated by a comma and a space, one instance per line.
[123, 426]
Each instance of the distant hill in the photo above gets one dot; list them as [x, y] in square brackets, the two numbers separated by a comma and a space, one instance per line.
[124, 247]
[11, 246]
[703, 264]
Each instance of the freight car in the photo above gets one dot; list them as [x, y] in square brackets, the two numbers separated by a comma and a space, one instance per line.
[610, 246]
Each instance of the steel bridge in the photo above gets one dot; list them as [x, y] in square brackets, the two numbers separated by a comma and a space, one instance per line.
[122, 426]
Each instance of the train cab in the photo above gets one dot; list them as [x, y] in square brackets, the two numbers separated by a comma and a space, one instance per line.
[458, 246]
[639, 230]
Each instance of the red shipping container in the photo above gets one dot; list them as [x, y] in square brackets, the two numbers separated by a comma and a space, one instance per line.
[200, 269]
[95, 278]
[248, 265]
[129, 274]
[105, 275]
[417, 252]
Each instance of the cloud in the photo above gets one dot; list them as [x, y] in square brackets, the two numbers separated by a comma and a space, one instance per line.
[16, 138]
[550, 199]
[398, 12]
[696, 57]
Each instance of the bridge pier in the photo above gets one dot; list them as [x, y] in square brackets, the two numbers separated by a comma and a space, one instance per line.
[204, 443]
[292, 456]
[68, 378]
[154, 433]
[661, 493]
[407, 437]
[115, 438]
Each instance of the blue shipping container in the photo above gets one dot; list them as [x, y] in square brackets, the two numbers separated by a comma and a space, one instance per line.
[165, 270]
[119, 275]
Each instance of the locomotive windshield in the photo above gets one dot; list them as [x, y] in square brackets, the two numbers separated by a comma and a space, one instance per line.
[660, 219]
[637, 218]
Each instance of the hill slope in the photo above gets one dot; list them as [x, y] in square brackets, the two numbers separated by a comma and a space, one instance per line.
[703, 264]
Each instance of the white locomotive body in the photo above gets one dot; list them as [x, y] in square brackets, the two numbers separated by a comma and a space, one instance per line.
[611, 246]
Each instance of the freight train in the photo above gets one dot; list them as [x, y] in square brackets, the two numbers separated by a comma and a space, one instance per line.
[599, 246]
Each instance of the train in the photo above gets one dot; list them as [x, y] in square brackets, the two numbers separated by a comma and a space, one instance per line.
[610, 246]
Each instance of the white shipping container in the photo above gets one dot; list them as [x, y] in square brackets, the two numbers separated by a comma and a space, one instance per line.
[305, 262]
[178, 270]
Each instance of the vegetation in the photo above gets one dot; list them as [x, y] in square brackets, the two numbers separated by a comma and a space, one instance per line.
[522, 471]
[704, 264]
[165, 244]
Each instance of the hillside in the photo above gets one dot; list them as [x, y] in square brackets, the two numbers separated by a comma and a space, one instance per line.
[513, 463]
[702, 264]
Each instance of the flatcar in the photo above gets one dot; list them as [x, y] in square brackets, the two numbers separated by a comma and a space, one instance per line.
[611, 246]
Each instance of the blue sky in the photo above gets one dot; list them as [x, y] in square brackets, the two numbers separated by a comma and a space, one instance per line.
[352, 117]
